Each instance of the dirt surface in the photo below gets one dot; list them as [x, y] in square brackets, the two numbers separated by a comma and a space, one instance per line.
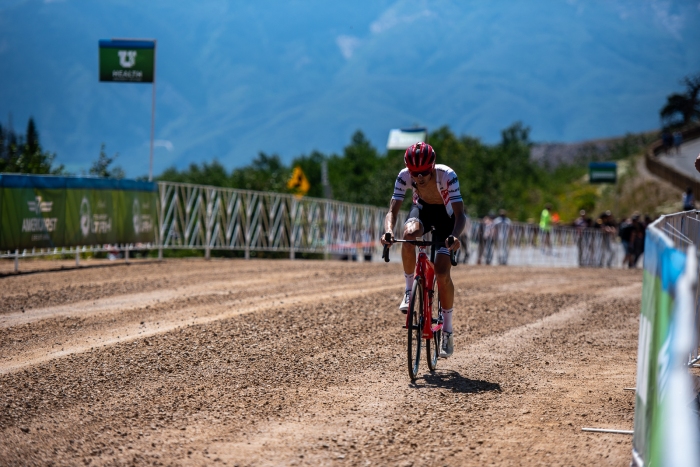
[232, 362]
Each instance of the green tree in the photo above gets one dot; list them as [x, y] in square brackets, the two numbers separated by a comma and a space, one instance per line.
[101, 167]
[213, 174]
[24, 154]
[266, 173]
[682, 109]
[356, 176]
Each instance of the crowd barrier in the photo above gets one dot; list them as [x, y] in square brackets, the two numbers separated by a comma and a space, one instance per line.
[522, 244]
[666, 418]
[196, 217]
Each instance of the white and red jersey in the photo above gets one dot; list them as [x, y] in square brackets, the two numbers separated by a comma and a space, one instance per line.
[447, 183]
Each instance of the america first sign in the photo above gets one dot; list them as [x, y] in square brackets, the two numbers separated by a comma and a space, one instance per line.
[130, 61]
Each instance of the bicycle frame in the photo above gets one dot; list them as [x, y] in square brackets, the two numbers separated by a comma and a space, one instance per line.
[425, 270]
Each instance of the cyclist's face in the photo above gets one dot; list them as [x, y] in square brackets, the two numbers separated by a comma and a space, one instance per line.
[421, 179]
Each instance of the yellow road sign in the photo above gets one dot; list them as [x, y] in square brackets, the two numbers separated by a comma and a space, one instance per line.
[298, 182]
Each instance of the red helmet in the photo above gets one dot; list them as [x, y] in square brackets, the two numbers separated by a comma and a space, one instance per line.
[419, 157]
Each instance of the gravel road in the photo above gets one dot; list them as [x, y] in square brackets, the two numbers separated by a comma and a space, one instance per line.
[256, 363]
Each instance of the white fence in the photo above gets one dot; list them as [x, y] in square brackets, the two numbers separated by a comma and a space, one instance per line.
[210, 218]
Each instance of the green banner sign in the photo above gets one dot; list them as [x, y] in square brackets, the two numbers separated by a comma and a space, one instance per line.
[32, 217]
[602, 172]
[47, 212]
[127, 61]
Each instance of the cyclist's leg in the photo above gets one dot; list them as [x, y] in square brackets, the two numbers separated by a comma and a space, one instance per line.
[446, 292]
[411, 230]
[446, 289]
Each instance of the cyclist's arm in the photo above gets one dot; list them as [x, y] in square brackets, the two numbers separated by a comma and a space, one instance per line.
[460, 222]
[392, 215]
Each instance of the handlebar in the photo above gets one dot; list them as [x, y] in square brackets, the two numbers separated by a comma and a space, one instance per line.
[387, 237]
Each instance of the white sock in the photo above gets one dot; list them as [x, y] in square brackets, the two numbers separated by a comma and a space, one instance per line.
[447, 320]
[409, 280]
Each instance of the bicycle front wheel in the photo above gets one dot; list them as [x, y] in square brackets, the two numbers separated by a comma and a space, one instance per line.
[432, 346]
[415, 331]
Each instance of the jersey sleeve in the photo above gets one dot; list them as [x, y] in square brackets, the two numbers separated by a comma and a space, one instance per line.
[454, 194]
[401, 185]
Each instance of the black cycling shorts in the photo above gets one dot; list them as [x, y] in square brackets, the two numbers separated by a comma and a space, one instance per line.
[433, 215]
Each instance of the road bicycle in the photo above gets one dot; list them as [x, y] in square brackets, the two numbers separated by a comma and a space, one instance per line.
[420, 323]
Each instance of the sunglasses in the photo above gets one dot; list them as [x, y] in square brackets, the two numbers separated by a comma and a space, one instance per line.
[424, 173]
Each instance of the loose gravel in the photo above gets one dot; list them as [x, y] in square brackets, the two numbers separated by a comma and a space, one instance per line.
[254, 363]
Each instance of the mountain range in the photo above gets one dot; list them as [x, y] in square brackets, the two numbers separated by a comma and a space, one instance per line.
[235, 78]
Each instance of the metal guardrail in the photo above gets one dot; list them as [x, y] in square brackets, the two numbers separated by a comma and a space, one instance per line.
[677, 178]
[211, 218]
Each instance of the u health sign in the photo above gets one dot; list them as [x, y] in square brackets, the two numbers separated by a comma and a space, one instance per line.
[129, 61]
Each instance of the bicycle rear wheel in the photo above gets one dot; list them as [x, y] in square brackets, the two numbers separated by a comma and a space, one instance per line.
[415, 331]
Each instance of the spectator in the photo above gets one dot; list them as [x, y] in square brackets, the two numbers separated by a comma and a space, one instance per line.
[502, 230]
[638, 239]
[626, 233]
[677, 141]
[464, 240]
[688, 200]
[486, 239]
[581, 222]
[607, 227]
[666, 141]
[546, 227]
[582, 240]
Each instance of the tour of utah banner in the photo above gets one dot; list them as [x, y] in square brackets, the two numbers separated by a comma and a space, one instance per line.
[38, 211]
[665, 425]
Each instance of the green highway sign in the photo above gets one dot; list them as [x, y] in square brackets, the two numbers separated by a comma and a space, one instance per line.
[129, 61]
[602, 172]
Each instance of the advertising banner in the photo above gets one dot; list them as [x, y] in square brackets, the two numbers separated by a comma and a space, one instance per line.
[32, 212]
[129, 61]
[90, 215]
[666, 279]
[47, 211]
[138, 218]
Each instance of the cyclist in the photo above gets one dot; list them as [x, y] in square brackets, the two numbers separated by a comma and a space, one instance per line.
[437, 202]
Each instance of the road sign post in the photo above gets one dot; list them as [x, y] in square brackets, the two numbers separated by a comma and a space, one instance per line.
[131, 61]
